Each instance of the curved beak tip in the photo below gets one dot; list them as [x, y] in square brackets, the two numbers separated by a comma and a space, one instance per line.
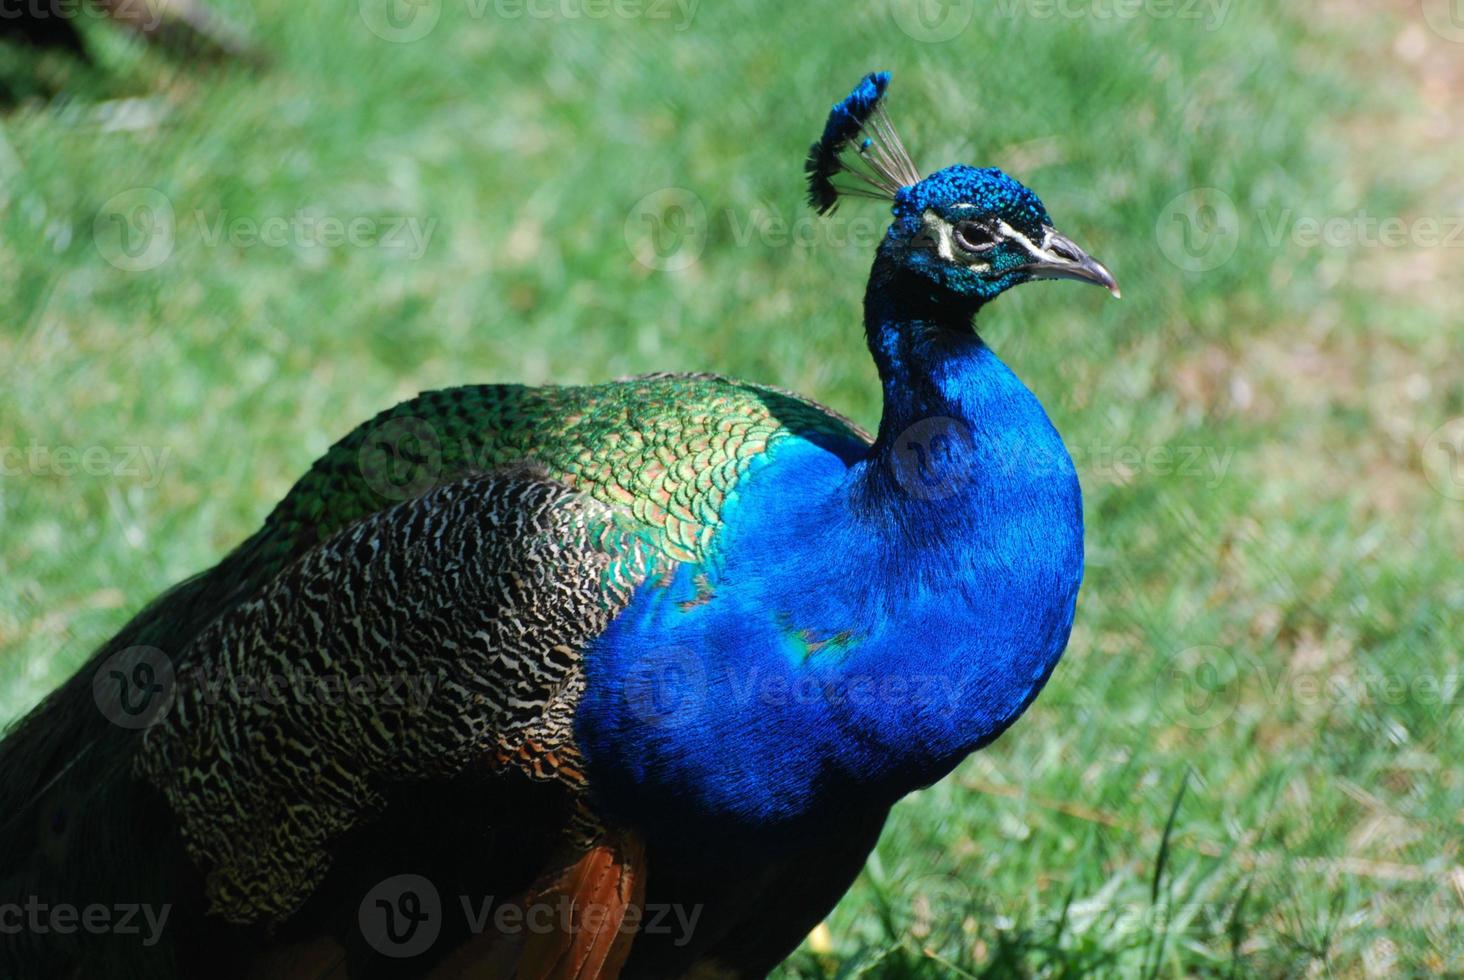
[1060, 258]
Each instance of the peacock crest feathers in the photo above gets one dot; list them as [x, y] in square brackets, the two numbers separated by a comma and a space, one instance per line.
[859, 140]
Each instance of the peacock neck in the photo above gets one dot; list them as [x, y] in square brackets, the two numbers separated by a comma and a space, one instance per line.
[949, 406]
[975, 509]
[916, 338]
[866, 619]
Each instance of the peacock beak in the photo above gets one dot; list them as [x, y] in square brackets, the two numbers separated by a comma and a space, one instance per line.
[1058, 257]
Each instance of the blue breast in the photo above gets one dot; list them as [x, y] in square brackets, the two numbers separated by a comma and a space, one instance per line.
[853, 635]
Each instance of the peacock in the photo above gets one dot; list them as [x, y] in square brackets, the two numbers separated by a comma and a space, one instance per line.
[578, 682]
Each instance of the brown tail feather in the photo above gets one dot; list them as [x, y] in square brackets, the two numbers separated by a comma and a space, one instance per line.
[594, 907]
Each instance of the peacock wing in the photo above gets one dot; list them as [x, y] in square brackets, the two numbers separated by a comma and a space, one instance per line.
[437, 637]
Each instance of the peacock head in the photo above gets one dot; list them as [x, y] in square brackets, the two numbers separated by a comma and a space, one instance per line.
[969, 233]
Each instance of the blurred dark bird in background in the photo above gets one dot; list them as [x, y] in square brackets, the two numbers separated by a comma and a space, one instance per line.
[180, 28]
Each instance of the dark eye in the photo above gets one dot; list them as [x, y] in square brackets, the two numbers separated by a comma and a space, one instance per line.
[974, 237]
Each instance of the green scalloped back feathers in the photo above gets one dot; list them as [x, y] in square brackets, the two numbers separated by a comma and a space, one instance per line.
[665, 450]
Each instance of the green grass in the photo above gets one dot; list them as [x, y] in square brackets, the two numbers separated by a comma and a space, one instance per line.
[1247, 763]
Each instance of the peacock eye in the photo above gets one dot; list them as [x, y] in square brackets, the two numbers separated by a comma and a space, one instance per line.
[974, 237]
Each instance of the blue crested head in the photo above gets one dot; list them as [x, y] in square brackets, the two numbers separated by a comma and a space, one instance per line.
[969, 232]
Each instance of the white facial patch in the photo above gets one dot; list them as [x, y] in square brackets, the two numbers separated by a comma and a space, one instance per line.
[941, 234]
[1039, 253]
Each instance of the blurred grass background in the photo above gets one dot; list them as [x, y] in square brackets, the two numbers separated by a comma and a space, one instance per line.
[1247, 764]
